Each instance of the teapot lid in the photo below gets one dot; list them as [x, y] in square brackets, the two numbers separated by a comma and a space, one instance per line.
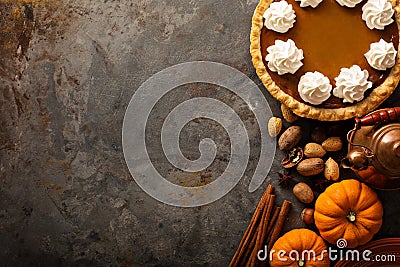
[386, 147]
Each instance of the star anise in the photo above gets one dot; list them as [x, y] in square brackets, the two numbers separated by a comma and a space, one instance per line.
[285, 178]
[321, 183]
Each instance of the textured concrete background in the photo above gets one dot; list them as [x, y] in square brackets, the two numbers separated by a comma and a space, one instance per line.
[68, 70]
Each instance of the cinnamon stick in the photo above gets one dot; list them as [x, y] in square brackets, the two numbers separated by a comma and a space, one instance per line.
[262, 230]
[277, 229]
[244, 243]
[271, 224]
[247, 259]
[267, 221]
[247, 247]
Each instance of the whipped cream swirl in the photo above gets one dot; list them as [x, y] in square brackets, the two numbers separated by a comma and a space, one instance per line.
[351, 84]
[314, 87]
[284, 57]
[279, 16]
[348, 3]
[312, 3]
[381, 55]
[377, 14]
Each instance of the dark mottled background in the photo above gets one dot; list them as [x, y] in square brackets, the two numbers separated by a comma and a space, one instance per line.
[68, 70]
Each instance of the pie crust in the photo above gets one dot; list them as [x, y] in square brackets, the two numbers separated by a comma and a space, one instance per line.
[371, 102]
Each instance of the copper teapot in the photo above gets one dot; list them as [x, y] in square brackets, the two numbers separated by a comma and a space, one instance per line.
[374, 148]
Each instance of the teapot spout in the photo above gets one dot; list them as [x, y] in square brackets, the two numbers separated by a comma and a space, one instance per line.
[355, 160]
[346, 163]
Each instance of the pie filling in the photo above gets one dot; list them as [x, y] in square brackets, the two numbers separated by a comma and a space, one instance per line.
[332, 37]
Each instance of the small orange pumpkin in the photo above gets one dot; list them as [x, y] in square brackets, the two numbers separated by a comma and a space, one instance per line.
[299, 247]
[349, 210]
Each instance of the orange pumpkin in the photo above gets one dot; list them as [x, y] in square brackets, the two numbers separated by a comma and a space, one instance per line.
[349, 210]
[297, 247]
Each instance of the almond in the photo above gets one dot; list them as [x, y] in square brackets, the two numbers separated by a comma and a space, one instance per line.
[287, 114]
[332, 144]
[310, 167]
[274, 126]
[290, 138]
[331, 171]
[314, 150]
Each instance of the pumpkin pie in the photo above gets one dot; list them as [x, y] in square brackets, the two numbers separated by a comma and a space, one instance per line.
[328, 60]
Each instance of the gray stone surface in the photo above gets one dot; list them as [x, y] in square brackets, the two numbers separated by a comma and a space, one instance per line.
[68, 70]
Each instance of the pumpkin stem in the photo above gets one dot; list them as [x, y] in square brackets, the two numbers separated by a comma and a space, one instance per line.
[351, 216]
[301, 263]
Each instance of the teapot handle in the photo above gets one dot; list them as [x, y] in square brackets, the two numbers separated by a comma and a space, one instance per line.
[379, 117]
